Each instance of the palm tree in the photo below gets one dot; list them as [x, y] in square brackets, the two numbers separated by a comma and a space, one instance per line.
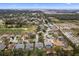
[33, 45]
[41, 39]
[24, 45]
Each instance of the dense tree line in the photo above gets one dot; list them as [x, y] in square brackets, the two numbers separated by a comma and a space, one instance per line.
[64, 16]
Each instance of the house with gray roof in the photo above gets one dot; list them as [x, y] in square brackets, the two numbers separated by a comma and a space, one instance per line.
[17, 46]
[2, 46]
[39, 45]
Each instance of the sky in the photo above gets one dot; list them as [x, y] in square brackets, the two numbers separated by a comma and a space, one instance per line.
[39, 5]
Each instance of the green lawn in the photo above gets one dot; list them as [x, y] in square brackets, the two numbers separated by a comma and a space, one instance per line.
[17, 30]
[10, 30]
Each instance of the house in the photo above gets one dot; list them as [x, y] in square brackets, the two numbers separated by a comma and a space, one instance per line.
[57, 42]
[17, 46]
[48, 44]
[39, 45]
[29, 46]
[61, 38]
[2, 46]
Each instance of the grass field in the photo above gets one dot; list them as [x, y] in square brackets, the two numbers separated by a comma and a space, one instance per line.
[17, 30]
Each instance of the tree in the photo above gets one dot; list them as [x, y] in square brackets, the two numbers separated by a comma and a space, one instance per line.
[39, 52]
[33, 45]
[29, 53]
[24, 45]
[38, 28]
[41, 39]
[1, 52]
[7, 52]
[18, 52]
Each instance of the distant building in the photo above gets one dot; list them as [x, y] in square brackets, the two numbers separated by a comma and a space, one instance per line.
[39, 45]
[17, 46]
[2, 46]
